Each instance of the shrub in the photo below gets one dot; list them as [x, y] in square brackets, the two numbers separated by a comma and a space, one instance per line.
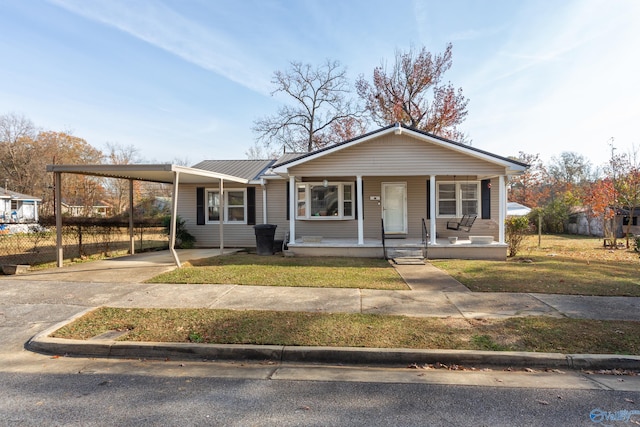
[516, 228]
[184, 239]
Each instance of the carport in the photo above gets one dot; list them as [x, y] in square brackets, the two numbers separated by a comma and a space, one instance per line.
[162, 173]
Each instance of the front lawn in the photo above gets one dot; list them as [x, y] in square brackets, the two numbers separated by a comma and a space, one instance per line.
[541, 334]
[251, 269]
[569, 265]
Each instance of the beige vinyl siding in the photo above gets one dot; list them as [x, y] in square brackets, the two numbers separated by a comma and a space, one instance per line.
[208, 235]
[276, 206]
[392, 153]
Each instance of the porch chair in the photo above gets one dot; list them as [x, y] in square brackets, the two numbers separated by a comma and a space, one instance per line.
[464, 224]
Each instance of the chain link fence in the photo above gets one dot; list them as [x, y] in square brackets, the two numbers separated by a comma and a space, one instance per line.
[35, 244]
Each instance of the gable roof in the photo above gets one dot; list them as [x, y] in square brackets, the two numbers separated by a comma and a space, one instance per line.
[246, 169]
[513, 165]
[8, 194]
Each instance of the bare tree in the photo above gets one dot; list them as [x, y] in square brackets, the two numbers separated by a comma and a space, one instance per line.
[117, 190]
[319, 96]
[18, 159]
[411, 92]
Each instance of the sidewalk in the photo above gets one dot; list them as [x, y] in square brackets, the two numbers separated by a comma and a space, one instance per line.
[433, 293]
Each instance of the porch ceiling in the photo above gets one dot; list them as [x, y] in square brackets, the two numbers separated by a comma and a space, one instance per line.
[163, 173]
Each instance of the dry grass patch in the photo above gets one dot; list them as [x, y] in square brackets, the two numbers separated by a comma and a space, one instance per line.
[562, 265]
[540, 334]
[251, 269]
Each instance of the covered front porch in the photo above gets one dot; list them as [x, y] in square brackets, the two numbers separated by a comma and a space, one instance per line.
[468, 247]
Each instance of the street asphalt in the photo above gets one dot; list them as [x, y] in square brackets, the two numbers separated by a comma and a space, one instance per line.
[118, 282]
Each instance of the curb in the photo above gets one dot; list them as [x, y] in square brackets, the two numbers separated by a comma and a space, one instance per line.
[105, 348]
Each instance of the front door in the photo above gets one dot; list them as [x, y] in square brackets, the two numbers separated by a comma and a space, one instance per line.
[394, 207]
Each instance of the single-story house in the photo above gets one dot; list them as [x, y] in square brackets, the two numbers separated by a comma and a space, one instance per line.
[517, 209]
[17, 207]
[396, 187]
[100, 209]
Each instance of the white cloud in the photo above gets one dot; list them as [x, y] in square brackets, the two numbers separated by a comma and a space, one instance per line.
[166, 29]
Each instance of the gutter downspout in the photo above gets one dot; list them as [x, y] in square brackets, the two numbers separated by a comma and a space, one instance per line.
[292, 209]
[264, 200]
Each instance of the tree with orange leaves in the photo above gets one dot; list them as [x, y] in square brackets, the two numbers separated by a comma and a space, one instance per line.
[411, 93]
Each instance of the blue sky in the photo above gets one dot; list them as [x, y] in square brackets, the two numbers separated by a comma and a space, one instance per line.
[185, 79]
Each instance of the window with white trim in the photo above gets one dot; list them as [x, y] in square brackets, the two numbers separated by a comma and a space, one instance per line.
[235, 206]
[317, 201]
[456, 199]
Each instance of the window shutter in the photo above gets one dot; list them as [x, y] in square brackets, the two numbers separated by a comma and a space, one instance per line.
[485, 195]
[428, 199]
[200, 206]
[355, 199]
[288, 201]
[251, 205]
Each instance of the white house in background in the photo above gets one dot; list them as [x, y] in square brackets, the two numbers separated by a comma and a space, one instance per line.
[18, 208]
[516, 209]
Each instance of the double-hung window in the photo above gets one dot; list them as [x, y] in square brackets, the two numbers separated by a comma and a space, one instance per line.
[235, 206]
[315, 200]
[456, 199]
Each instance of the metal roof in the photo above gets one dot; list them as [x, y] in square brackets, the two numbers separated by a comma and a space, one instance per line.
[148, 172]
[246, 169]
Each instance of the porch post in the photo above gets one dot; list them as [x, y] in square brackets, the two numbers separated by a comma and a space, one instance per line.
[174, 217]
[360, 205]
[432, 209]
[35, 210]
[221, 216]
[292, 209]
[58, 208]
[131, 235]
[502, 201]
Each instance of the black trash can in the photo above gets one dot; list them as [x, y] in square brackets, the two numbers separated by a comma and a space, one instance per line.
[265, 234]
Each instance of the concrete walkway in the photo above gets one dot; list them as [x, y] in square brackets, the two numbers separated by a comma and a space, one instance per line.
[118, 283]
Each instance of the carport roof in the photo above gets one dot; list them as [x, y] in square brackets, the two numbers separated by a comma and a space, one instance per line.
[148, 172]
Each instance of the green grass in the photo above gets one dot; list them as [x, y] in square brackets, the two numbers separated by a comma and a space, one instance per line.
[539, 334]
[562, 265]
[250, 269]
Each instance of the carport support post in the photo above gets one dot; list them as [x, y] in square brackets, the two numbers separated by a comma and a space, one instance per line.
[174, 217]
[56, 191]
[131, 235]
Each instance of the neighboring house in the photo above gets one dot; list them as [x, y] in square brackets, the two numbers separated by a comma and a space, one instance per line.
[516, 209]
[331, 201]
[99, 209]
[18, 208]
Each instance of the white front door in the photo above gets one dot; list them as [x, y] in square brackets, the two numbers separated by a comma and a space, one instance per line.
[394, 207]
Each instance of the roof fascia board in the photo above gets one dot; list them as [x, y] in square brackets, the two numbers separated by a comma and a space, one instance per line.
[112, 170]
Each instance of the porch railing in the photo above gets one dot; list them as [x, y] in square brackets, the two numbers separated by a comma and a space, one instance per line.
[384, 248]
[425, 238]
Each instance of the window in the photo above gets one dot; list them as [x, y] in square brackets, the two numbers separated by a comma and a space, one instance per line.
[235, 207]
[456, 199]
[316, 201]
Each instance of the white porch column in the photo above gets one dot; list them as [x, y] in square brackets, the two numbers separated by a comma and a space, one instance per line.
[502, 201]
[58, 208]
[360, 205]
[131, 234]
[292, 209]
[432, 209]
[221, 216]
[35, 210]
[174, 216]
